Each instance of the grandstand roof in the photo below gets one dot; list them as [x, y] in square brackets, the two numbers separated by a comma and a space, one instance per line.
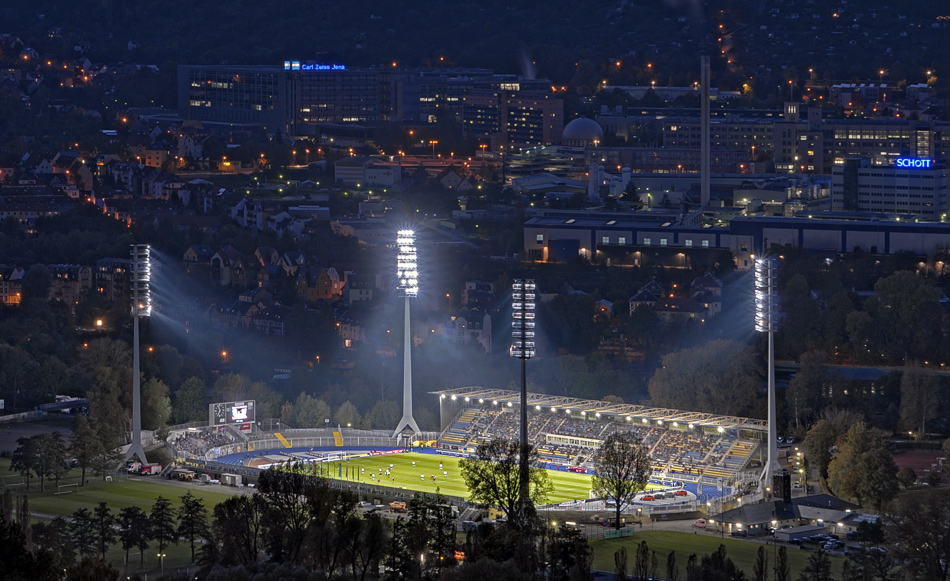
[588, 406]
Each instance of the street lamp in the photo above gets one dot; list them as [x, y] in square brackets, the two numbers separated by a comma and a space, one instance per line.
[161, 558]
[140, 276]
[407, 277]
[522, 347]
[767, 315]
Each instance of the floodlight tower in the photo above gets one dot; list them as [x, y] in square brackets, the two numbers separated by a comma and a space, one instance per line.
[407, 276]
[140, 276]
[522, 347]
[767, 315]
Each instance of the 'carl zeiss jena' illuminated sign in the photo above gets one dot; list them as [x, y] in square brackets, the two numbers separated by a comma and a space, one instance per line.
[915, 163]
[298, 66]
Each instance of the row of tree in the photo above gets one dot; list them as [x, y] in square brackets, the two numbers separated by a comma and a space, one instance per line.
[49, 456]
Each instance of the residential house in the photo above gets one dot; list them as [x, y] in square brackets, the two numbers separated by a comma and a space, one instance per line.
[359, 288]
[680, 310]
[316, 283]
[603, 309]
[469, 327]
[477, 293]
[291, 261]
[269, 276]
[707, 289]
[229, 267]
[112, 278]
[11, 287]
[351, 328]
[647, 295]
[198, 256]
[266, 255]
[254, 309]
[69, 282]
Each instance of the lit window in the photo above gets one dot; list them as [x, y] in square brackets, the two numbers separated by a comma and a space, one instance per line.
[605, 239]
[705, 243]
[646, 241]
[540, 238]
[688, 243]
[662, 241]
[622, 240]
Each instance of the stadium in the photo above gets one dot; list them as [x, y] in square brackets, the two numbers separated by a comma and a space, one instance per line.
[697, 458]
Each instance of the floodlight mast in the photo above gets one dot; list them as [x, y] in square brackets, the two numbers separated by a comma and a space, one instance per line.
[407, 284]
[522, 347]
[767, 316]
[140, 280]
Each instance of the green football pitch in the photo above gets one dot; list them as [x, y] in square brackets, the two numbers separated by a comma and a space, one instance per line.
[413, 472]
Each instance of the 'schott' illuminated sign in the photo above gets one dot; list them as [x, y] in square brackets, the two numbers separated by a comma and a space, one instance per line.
[915, 163]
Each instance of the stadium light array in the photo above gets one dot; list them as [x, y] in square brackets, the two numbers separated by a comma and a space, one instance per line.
[407, 284]
[141, 278]
[407, 269]
[140, 275]
[767, 318]
[522, 313]
[766, 294]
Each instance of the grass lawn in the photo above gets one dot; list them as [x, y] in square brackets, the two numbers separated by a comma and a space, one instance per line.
[567, 485]
[138, 491]
[743, 552]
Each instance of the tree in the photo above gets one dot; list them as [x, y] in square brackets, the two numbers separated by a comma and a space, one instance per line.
[52, 456]
[906, 476]
[783, 571]
[919, 399]
[719, 377]
[287, 518]
[805, 390]
[820, 443]
[89, 569]
[84, 444]
[81, 532]
[620, 563]
[103, 528]
[346, 415]
[622, 469]
[51, 543]
[191, 401]
[717, 565]
[863, 466]
[133, 528]
[672, 569]
[156, 404]
[384, 415]
[238, 529]
[918, 532]
[26, 458]
[760, 570]
[19, 564]
[192, 520]
[492, 476]
[162, 523]
[818, 568]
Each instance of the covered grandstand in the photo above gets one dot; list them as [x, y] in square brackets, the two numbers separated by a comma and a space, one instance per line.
[687, 446]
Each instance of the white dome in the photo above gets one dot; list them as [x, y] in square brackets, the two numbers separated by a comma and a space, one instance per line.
[582, 131]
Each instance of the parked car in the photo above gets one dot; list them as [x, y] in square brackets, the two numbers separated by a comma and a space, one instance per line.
[646, 498]
[680, 493]
[700, 523]
[365, 505]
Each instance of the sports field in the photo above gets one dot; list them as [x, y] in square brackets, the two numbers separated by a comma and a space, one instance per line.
[413, 472]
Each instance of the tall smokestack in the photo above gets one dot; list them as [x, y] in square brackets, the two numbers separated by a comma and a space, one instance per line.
[704, 109]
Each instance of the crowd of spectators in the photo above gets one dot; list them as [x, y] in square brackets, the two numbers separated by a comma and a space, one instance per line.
[198, 443]
[673, 449]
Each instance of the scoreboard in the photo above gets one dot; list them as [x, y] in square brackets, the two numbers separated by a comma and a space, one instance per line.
[232, 412]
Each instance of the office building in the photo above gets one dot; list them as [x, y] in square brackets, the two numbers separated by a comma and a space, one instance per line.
[910, 186]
